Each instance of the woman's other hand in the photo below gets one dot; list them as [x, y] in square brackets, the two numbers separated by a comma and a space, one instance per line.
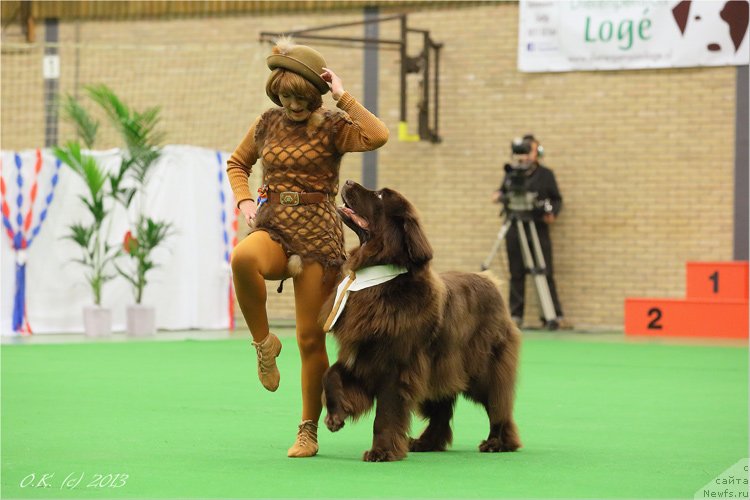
[337, 86]
[248, 209]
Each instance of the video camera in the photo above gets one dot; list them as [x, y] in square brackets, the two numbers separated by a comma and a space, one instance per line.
[516, 170]
[518, 199]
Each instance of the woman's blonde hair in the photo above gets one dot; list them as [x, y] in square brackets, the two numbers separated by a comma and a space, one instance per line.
[282, 81]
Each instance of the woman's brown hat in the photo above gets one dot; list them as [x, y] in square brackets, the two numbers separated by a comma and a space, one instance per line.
[301, 59]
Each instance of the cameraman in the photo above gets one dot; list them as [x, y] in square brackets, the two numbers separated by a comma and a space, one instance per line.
[539, 180]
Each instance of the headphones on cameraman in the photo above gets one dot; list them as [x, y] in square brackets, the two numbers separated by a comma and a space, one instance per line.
[539, 148]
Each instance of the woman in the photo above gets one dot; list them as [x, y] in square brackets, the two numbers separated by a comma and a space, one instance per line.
[295, 231]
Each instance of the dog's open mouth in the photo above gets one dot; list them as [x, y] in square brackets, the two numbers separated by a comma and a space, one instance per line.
[353, 216]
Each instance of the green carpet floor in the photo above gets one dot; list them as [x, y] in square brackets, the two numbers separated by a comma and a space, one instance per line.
[189, 419]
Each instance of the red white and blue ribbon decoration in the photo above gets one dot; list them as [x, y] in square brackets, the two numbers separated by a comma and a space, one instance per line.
[227, 247]
[23, 235]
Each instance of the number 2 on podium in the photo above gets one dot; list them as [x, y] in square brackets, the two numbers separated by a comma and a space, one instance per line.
[655, 314]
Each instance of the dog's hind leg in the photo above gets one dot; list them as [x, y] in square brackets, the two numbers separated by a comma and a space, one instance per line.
[499, 403]
[343, 397]
[438, 433]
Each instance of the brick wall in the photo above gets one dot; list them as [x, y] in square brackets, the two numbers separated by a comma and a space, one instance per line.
[644, 159]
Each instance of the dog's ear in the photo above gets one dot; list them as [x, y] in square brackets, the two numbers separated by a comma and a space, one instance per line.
[418, 247]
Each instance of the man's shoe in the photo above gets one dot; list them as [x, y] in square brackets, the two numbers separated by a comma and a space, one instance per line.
[306, 444]
[268, 350]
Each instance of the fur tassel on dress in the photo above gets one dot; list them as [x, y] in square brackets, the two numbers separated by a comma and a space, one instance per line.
[294, 266]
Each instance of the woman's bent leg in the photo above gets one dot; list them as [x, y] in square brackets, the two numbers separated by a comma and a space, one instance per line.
[254, 260]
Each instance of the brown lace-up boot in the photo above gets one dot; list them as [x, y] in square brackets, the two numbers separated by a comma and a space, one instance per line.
[268, 349]
[306, 444]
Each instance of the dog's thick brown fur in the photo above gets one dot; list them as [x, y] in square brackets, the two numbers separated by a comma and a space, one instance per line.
[418, 341]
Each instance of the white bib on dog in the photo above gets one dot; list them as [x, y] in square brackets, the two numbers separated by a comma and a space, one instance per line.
[363, 278]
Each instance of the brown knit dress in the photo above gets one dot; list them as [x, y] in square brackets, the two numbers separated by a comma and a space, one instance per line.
[304, 157]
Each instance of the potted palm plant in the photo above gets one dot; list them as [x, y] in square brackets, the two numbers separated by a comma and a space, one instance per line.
[141, 319]
[97, 255]
[142, 150]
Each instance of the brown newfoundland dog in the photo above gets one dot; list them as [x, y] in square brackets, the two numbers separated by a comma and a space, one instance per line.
[417, 341]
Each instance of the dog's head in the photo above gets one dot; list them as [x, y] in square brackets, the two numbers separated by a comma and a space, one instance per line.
[387, 226]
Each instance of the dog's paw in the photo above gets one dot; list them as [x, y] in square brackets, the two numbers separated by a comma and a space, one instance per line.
[419, 445]
[375, 455]
[334, 422]
[495, 445]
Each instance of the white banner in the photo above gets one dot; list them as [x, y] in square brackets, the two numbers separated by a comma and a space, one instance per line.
[611, 35]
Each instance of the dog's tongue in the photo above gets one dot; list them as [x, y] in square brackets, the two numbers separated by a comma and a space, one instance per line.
[353, 216]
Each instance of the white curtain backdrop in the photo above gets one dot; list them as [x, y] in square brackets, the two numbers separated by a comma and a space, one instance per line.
[189, 289]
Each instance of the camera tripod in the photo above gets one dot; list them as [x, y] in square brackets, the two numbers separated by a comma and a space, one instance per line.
[533, 262]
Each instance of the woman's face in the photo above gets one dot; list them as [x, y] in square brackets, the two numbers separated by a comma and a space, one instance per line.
[295, 107]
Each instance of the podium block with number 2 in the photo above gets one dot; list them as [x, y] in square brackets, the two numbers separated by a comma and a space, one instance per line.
[716, 305]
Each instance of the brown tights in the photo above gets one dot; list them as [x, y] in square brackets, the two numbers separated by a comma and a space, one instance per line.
[258, 258]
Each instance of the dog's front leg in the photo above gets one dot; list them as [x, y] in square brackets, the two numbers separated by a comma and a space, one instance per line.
[343, 396]
[333, 393]
[390, 431]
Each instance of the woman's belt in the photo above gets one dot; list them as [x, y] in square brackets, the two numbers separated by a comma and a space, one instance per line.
[292, 199]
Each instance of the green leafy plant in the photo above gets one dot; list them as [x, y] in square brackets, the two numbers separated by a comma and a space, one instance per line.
[149, 233]
[97, 254]
[142, 141]
[142, 150]
[86, 126]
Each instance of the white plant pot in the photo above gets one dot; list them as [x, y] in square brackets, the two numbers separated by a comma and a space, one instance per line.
[97, 321]
[140, 320]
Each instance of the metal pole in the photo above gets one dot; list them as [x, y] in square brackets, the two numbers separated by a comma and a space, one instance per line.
[741, 165]
[367, 20]
[402, 115]
[540, 278]
[424, 119]
[496, 245]
[435, 107]
[370, 158]
[268, 36]
[51, 74]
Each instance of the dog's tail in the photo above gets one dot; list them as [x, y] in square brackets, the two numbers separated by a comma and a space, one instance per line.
[500, 284]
